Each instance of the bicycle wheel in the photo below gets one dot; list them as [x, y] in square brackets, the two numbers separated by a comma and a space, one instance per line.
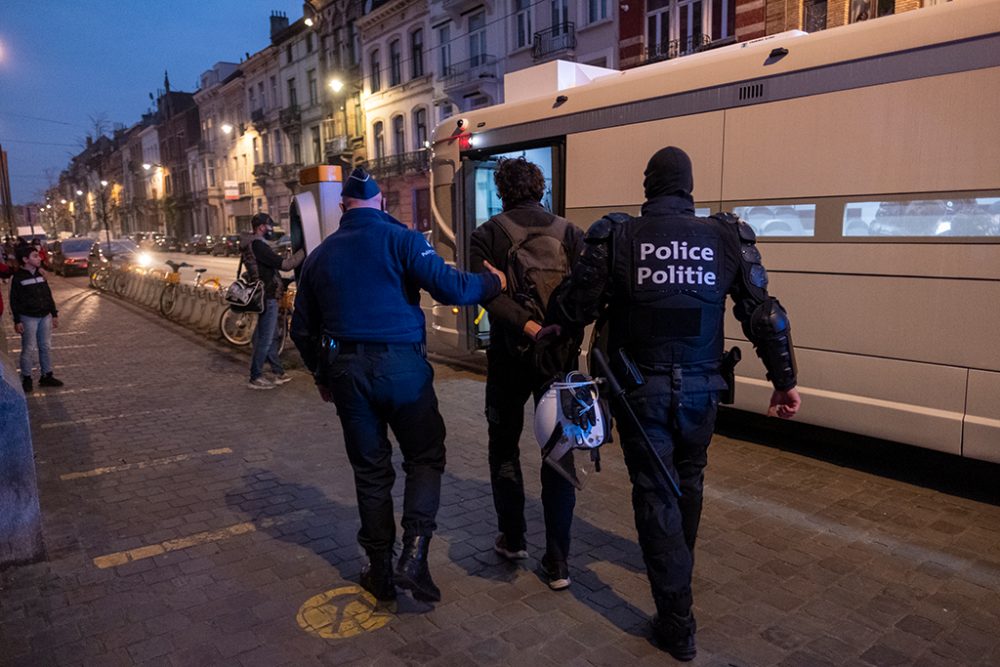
[119, 282]
[238, 328]
[168, 300]
[281, 332]
[99, 279]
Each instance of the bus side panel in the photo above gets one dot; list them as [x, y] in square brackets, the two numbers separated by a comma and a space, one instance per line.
[919, 404]
[604, 167]
[941, 321]
[982, 421]
[923, 135]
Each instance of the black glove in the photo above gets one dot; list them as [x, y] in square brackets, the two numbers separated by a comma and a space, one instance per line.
[578, 406]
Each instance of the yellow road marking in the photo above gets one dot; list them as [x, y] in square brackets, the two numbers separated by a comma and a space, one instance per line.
[144, 464]
[88, 420]
[341, 613]
[139, 553]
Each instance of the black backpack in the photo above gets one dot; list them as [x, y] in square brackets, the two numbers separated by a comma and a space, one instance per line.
[536, 262]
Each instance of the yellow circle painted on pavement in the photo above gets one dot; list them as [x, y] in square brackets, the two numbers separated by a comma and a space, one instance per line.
[341, 613]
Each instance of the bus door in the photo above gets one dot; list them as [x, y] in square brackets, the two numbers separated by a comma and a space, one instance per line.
[478, 201]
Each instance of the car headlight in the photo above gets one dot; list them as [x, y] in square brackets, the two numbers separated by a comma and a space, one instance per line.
[144, 259]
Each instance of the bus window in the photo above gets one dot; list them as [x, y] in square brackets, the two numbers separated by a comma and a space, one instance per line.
[924, 217]
[487, 201]
[780, 219]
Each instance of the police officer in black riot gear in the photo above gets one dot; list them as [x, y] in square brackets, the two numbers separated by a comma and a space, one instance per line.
[660, 281]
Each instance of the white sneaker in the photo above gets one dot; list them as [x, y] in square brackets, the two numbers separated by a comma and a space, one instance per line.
[279, 380]
[260, 383]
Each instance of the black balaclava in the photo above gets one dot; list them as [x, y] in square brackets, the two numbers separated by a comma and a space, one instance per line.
[669, 173]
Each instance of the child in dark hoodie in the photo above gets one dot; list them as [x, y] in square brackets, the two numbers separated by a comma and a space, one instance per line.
[35, 316]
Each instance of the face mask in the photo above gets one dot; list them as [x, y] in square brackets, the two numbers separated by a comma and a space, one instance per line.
[268, 235]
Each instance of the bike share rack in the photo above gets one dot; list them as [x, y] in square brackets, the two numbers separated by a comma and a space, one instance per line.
[198, 308]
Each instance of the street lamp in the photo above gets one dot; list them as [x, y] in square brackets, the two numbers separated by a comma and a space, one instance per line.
[79, 193]
[227, 128]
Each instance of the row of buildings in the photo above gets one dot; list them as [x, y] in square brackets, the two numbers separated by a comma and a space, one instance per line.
[364, 82]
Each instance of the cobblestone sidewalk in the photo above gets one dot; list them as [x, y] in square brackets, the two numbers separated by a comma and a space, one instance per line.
[191, 521]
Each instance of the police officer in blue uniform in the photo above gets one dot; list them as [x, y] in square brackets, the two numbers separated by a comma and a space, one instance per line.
[660, 283]
[359, 328]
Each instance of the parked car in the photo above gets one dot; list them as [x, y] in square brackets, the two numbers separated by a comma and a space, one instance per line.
[199, 243]
[167, 244]
[227, 245]
[119, 252]
[70, 256]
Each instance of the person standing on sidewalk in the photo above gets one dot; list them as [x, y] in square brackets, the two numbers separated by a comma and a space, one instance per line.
[530, 245]
[6, 271]
[661, 280]
[264, 264]
[35, 316]
[360, 330]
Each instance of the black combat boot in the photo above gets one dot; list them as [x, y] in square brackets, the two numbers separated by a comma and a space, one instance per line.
[411, 570]
[376, 576]
[675, 634]
[26, 384]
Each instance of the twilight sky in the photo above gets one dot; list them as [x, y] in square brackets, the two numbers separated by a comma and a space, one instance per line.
[62, 61]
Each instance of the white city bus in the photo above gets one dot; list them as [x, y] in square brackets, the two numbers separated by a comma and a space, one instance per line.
[866, 157]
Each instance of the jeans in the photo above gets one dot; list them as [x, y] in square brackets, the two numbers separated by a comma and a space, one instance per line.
[510, 381]
[667, 527]
[377, 386]
[37, 336]
[265, 342]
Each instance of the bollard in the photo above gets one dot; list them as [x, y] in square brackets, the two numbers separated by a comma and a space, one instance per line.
[20, 513]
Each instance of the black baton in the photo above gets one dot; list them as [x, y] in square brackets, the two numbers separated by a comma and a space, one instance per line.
[618, 395]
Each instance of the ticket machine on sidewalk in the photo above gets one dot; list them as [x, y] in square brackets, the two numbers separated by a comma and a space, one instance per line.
[315, 212]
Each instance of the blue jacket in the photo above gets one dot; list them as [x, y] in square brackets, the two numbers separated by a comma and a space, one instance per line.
[363, 283]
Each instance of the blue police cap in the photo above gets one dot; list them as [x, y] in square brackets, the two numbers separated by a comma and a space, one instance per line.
[360, 185]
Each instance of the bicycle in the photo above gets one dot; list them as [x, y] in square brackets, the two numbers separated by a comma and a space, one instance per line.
[168, 297]
[238, 327]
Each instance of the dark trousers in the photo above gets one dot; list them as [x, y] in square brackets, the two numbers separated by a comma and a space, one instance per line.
[667, 526]
[510, 381]
[376, 387]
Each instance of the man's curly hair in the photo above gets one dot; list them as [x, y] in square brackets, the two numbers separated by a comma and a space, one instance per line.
[518, 180]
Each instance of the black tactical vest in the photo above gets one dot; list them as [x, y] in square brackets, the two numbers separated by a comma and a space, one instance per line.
[669, 290]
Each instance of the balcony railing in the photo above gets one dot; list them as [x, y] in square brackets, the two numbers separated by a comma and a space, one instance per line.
[676, 48]
[555, 40]
[290, 116]
[333, 148]
[263, 171]
[289, 173]
[480, 67]
[396, 165]
[258, 118]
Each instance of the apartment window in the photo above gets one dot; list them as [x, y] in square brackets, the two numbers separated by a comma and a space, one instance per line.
[293, 96]
[375, 66]
[260, 91]
[477, 38]
[678, 27]
[251, 98]
[279, 152]
[395, 74]
[168, 185]
[316, 145]
[862, 10]
[353, 44]
[313, 91]
[296, 151]
[398, 135]
[416, 53]
[359, 129]
[444, 49]
[265, 148]
[210, 168]
[288, 54]
[444, 111]
[560, 16]
[597, 10]
[378, 131]
[522, 24]
[274, 91]
[309, 42]
[420, 127]
[256, 152]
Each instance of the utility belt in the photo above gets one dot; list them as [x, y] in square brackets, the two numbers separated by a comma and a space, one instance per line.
[695, 380]
[330, 348]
